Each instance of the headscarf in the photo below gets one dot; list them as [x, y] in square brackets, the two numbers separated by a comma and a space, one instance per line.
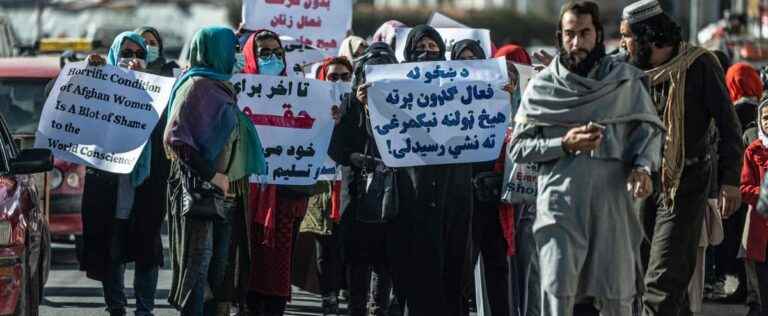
[386, 32]
[142, 168]
[417, 34]
[322, 72]
[743, 81]
[472, 45]
[252, 59]
[514, 53]
[113, 56]
[160, 61]
[212, 56]
[350, 45]
[760, 132]
[377, 54]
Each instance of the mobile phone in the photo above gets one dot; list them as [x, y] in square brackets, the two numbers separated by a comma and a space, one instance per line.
[597, 125]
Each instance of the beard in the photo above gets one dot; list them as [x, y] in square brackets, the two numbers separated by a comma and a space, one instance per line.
[642, 58]
[582, 67]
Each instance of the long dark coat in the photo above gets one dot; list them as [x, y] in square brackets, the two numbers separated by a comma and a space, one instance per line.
[147, 214]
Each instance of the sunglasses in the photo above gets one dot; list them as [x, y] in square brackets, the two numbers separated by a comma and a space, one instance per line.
[337, 77]
[266, 52]
[140, 54]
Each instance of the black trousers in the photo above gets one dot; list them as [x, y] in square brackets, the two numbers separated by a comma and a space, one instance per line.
[330, 269]
[674, 237]
[762, 281]
[488, 240]
[361, 284]
[429, 253]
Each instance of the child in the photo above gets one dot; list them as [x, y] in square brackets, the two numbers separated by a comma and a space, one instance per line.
[756, 226]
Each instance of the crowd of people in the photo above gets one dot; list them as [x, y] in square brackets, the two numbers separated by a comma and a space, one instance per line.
[641, 163]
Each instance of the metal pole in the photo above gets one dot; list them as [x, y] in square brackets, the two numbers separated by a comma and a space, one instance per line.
[39, 21]
[694, 21]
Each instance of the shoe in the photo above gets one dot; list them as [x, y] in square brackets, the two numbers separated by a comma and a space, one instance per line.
[739, 296]
[754, 310]
[344, 296]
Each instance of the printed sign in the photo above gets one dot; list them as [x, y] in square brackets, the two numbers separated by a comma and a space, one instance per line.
[102, 116]
[293, 119]
[319, 23]
[438, 112]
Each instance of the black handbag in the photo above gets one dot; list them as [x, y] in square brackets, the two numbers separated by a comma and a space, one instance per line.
[379, 200]
[488, 186]
[201, 199]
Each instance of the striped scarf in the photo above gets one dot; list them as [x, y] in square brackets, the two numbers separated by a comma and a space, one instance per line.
[673, 160]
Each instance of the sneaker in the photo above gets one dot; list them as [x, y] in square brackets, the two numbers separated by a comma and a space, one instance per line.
[330, 306]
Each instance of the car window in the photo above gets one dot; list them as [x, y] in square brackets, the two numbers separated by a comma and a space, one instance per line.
[21, 102]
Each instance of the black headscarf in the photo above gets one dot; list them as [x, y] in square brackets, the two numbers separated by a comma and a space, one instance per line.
[472, 45]
[418, 33]
[378, 53]
[160, 66]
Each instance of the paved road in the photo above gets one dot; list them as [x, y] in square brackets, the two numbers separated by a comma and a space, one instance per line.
[70, 293]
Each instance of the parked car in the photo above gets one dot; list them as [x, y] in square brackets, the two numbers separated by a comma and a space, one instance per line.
[24, 236]
[22, 95]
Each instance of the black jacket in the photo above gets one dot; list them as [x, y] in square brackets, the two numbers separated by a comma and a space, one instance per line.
[147, 214]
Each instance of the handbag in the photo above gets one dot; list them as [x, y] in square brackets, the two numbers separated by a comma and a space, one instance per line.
[201, 199]
[379, 201]
[488, 186]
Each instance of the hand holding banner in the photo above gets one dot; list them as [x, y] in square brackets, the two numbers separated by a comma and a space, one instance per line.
[102, 116]
[438, 112]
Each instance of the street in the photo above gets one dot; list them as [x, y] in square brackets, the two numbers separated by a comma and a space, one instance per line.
[69, 293]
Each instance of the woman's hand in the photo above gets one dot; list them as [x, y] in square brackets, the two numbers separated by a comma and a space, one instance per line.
[222, 182]
[135, 64]
[336, 114]
[95, 60]
[362, 93]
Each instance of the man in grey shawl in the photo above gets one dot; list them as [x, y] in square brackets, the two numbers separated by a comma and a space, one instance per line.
[590, 124]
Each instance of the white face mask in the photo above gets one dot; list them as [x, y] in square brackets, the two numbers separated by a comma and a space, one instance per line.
[239, 63]
[153, 53]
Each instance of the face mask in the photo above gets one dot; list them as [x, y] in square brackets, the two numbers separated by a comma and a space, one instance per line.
[271, 66]
[426, 55]
[153, 53]
[239, 63]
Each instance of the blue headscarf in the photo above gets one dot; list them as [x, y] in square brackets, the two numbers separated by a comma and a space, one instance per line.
[211, 55]
[117, 45]
[143, 166]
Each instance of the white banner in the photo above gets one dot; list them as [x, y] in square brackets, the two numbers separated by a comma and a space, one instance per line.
[300, 59]
[319, 23]
[293, 118]
[102, 116]
[438, 112]
[450, 36]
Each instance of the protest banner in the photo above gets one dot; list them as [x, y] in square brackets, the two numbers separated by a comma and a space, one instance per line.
[438, 112]
[301, 59]
[102, 116]
[450, 36]
[438, 19]
[293, 119]
[319, 23]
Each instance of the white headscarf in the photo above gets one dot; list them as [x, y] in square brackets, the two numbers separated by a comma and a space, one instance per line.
[350, 45]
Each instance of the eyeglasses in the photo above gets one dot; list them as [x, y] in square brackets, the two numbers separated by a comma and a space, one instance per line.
[140, 54]
[266, 52]
[336, 77]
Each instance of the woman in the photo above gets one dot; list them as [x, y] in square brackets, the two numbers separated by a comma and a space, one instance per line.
[156, 63]
[352, 145]
[487, 231]
[386, 33]
[323, 214]
[277, 210]
[122, 214]
[208, 139]
[430, 237]
[353, 47]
